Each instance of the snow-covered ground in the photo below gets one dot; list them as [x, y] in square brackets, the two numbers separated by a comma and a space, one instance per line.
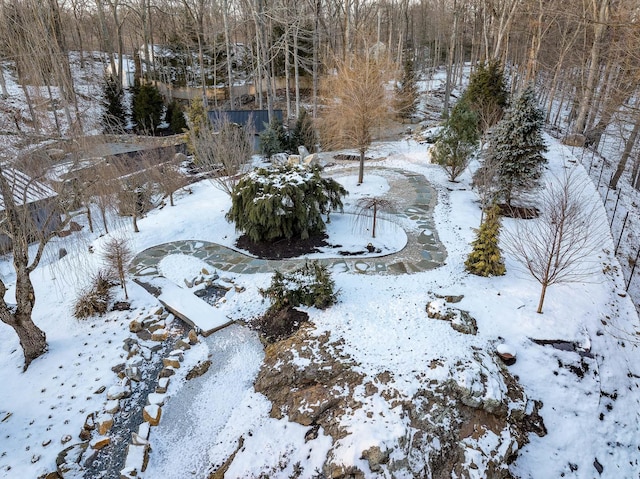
[382, 321]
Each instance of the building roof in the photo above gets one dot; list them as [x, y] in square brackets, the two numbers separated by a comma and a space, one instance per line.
[25, 189]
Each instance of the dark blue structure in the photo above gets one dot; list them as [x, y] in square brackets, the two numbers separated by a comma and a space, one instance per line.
[258, 119]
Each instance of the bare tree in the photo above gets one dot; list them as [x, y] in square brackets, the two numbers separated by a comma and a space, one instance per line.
[557, 247]
[357, 104]
[117, 254]
[369, 206]
[23, 224]
[170, 179]
[222, 149]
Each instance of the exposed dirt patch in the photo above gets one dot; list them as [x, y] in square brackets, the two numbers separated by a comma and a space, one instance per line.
[282, 248]
[278, 325]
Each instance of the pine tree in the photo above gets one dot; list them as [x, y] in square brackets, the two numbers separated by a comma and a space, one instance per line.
[147, 107]
[485, 258]
[176, 118]
[303, 134]
[283, 202]
[456, 142]
[114, 116]
[407, 90]
[516, 146]
[273, 139]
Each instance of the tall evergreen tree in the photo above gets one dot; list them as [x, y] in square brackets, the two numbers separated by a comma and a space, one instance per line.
[176, 118]
[487, 94]
[485, 258]
[516, 146]
[147, 107]
[114, 116]
[457, 141]
[407, 90]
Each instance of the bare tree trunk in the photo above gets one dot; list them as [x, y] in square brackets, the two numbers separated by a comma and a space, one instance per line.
[599, 29]
[316, 56]
[3, 84]
[628, 147]
[260, 19]
[105, 41]
[451, 52]
[506, 15]
[227, 42]
[543, 293]
[287, 74]
[296, 70]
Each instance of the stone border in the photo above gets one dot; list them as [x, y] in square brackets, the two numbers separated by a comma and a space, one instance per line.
[423, 252]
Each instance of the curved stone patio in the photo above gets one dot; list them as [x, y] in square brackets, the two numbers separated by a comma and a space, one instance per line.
[423, 250]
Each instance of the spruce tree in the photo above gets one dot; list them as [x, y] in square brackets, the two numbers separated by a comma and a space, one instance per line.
[456, 142]
[147, 107]
[485, 258]
[273, 139]
[283, 202]
[407, 90]
[516, 146]
[114, 116]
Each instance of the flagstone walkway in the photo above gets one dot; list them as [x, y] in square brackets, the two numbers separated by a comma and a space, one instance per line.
[423, 251]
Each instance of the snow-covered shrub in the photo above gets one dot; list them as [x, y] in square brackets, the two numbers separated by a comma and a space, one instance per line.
[283, 202]
[309, 285]
[95, 298]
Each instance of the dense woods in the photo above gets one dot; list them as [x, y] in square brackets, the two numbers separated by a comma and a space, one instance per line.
[583, 54]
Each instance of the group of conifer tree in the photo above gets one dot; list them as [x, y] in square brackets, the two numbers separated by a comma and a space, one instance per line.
[506, 138]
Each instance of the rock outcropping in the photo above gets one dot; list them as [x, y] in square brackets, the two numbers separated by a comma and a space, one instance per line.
[470, 422]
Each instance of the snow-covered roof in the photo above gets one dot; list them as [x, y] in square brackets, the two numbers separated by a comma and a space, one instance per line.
[25, 189]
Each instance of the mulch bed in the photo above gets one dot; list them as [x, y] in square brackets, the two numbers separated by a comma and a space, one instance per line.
[283, 248]
[519, 212]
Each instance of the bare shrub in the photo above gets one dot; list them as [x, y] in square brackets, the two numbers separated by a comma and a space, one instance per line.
[94, 300]
[116, 255]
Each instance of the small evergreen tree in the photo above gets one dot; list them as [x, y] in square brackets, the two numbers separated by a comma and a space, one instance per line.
[114, 116]
[197, 121]
[407, 90]
[175, 115]
[485, 258]
[516, 146]
[303, 134]
[308, 285]
[456, 142]
[283, 202]
[147, 107]
[273, 139]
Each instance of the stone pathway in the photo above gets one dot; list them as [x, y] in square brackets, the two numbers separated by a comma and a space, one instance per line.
[423, 251]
